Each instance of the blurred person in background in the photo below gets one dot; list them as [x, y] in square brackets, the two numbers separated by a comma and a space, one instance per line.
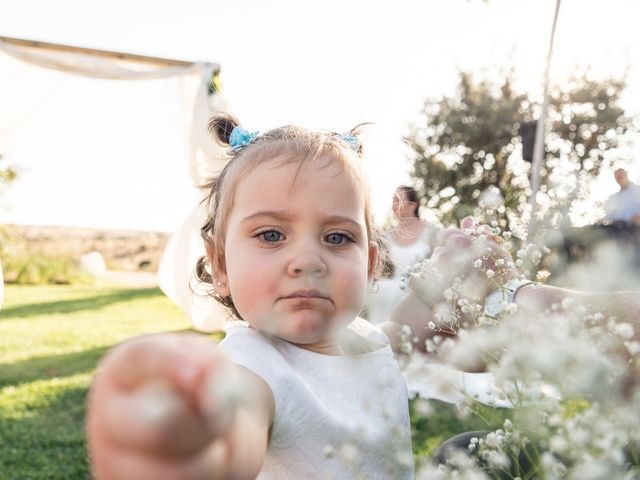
[624, 205]
[409, 241]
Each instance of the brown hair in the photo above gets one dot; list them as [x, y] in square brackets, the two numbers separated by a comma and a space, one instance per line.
[412, 196]
[292, 144]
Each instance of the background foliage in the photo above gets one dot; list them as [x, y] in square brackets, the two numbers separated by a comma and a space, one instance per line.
[469, 147]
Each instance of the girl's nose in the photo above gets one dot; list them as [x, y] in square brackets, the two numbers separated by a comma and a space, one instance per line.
[307, 263]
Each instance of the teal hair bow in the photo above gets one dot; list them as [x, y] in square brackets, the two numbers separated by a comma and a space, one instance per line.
[351, 140]
[241, 137]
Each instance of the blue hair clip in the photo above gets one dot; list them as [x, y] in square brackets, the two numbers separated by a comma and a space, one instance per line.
[351, 140]
[241, 137]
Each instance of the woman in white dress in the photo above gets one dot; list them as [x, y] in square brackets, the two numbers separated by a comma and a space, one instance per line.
[410, 240]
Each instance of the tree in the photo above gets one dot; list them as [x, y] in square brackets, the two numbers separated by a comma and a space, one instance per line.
[7, 174]
[470, 144]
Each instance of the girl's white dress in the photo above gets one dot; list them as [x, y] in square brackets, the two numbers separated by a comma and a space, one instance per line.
[336, 417]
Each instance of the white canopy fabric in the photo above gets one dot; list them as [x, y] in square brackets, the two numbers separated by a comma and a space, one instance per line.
[174, 124]
[77, 63]
[205, 156]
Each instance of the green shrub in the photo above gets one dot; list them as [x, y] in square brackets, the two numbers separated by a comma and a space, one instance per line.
[40, 269]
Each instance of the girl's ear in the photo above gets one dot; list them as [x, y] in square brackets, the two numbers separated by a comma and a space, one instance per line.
[221, 283]
[373, 259]
[219, 276]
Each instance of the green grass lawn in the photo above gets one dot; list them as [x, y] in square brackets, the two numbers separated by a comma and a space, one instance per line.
[51, 339]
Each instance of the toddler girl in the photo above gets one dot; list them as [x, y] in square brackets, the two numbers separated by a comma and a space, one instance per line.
[301, 387]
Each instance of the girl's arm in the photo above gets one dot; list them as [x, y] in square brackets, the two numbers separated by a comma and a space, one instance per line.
[172, 406]
[414, 313]
[454, 259]
[624, 305]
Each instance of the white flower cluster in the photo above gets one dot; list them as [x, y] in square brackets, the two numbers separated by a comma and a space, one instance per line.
[530, 256]
[577, 415]
[571, 374]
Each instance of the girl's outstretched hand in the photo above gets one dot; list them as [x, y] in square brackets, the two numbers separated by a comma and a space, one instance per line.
[163, 407]
[471, 257]
[468, 264]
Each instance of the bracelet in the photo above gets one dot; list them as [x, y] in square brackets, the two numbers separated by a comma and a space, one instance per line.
[495, 302]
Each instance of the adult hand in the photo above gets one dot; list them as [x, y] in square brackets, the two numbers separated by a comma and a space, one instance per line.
[156, 410]
[469, 263]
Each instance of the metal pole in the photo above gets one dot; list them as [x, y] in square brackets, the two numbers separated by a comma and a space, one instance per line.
[538, 147]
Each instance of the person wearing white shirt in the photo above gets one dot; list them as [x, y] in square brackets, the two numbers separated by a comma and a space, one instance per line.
[624, 205]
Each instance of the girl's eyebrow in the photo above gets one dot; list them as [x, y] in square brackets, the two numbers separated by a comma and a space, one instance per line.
[277, 214]
[286, 215]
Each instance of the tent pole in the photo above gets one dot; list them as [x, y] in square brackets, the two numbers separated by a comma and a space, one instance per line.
[538, 148]
[132, 57]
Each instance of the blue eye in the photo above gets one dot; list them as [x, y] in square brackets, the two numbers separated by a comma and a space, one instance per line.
[271, 236]
[337, 238]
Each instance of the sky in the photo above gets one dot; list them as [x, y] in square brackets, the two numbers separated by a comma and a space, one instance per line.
[330, 64]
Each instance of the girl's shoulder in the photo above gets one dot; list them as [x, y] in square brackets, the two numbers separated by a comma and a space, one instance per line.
[241, 341]
[239, 333]
[258, 353]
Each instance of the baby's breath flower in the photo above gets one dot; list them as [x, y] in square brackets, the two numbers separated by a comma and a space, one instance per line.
[490, 273]
[510, 308]
[568, 304]
[349, 453]
[623, 330]
[632, 347]
[493, 440]
[328, 451]
[498, 460]
[536, 256]
[558, 444]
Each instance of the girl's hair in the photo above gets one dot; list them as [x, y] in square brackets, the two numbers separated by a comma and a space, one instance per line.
[289, 143]
[412, 196]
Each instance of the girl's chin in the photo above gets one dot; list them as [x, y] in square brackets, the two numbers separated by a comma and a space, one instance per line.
[304, 327]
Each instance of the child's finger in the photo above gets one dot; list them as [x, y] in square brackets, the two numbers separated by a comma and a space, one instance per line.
[454, 241]
[152, 418]
[116, 463]
[181, 360]
[147, 393]
[471, 224]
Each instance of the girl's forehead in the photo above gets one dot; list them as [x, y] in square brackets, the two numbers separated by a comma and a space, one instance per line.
[281, 180]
